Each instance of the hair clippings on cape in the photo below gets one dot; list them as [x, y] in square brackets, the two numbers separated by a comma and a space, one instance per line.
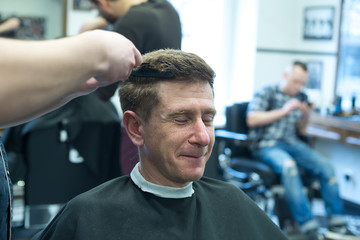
[147, 72]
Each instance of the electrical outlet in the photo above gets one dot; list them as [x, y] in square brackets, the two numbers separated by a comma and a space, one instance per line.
[349, 176]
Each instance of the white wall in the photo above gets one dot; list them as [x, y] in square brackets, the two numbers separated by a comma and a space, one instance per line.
[75, 18]
[281, 24]
[224, 35]
[345, 160]
[280, 41]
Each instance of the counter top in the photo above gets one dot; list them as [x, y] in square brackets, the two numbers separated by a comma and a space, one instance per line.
[341, 129]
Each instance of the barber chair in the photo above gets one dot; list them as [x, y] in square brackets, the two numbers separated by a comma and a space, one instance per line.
[237, 166]
[65, 152]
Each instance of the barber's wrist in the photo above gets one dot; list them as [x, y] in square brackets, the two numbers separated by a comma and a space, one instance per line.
[96, 52]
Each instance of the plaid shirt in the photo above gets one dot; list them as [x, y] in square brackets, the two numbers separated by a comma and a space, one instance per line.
[285, 128]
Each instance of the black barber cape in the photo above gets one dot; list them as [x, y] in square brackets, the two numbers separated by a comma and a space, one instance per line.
[119, 209]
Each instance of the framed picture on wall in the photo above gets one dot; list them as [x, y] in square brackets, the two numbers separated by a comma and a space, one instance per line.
[82, 5]
[319, 23]
[315, 69]
[32, 28]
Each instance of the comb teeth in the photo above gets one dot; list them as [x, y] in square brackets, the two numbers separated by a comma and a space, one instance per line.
[145, 71]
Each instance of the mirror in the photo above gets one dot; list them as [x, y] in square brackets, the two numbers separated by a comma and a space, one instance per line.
[348, 76]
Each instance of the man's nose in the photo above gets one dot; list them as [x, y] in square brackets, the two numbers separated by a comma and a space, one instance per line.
[200, 134]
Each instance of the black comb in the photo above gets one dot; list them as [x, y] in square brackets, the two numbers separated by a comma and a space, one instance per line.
[148, 72]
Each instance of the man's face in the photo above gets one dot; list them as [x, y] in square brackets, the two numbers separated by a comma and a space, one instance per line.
[179, 136]
[296, 80]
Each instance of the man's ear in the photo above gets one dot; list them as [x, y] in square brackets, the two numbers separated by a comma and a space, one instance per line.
[133, 127]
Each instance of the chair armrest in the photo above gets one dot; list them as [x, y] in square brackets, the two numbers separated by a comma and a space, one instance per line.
[230, 135]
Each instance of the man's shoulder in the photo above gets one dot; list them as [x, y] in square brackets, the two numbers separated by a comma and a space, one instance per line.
[215, 186]
[265, 92]
[113, 187]
[209, 180]
[224, 195]
[263, 98]
[147, 7]
[268, 89]
[144, 16]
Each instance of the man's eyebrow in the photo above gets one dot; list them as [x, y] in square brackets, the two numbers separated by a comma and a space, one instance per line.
[189, 111]
[211, 111]
[180, 112]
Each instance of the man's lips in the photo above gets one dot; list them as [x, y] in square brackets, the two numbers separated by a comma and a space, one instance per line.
[194, 155]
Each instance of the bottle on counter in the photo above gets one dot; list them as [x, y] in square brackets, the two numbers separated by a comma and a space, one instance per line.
[338, 109]
[353, 105]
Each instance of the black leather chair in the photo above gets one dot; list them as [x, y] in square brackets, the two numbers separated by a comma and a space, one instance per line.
[65, 153]
[237, 166]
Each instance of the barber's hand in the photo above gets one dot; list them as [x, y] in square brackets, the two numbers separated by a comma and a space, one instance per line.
[121, 56]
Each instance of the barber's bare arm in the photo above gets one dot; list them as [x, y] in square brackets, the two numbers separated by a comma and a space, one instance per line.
[38, 76]
[263, 118]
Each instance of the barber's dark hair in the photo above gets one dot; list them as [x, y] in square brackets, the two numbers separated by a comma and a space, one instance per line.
[140, 92]
[302, 65]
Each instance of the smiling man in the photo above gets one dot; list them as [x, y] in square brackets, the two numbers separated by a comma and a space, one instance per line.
[179, 133]
[168, 105]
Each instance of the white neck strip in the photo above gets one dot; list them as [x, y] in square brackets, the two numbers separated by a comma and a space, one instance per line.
[158, 190]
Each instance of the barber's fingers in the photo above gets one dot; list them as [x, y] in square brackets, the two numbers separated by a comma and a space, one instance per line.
[123, 56]
[87, 87]
[138, 57]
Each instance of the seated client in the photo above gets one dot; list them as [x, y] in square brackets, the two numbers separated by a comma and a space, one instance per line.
[168, 105]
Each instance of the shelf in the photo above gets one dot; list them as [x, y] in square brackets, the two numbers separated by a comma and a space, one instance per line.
[341, 129]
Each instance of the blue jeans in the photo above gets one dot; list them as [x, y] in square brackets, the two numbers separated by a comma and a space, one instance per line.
[284, 159]
[4, 196]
